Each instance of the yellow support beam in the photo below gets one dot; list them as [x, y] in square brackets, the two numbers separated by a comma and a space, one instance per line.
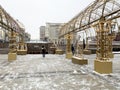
[68, 47]
[12, 47]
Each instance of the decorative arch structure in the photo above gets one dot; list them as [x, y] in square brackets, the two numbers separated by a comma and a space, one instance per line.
[100, 15]
[7, 22]
[12, 29]
[108, 9]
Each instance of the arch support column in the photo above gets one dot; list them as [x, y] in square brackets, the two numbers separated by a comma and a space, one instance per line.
[12, 55]
[102, 63]
[22, 47]
[68, 47]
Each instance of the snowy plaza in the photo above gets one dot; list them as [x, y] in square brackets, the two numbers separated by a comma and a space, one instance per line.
[55, 72]
[60, 45]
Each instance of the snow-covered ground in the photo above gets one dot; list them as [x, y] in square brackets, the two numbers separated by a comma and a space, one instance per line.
[54, 72]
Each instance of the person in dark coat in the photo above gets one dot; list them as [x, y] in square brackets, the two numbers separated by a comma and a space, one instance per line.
[84, 44]
[43, 51]
[73, 49]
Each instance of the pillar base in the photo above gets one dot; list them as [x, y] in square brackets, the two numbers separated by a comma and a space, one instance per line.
[21, 52]
[103, 67]
[80, 61]
[111, 55]
[12, 56]
[59, 51]
[87, 52]
[69, 55]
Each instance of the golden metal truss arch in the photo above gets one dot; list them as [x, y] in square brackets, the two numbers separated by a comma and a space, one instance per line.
[7, 22]
[108, 9]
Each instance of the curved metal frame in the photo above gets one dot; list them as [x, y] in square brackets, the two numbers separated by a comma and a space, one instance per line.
[7, 22]
[108, 9]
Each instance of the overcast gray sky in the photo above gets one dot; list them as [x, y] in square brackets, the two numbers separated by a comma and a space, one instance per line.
[35, 13]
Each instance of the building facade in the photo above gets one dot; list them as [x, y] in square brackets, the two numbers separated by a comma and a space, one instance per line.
[52, 32]
[42, 33]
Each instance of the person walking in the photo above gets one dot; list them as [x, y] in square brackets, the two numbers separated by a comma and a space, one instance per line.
[73, 49]
[43, 51]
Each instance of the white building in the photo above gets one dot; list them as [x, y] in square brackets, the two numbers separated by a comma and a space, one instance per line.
[52, 31]
[42, 33]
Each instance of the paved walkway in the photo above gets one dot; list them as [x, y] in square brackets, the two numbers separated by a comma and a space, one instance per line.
[54, 72]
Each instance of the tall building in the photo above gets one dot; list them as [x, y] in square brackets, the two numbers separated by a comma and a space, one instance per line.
[42, 33]
[52, 31]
